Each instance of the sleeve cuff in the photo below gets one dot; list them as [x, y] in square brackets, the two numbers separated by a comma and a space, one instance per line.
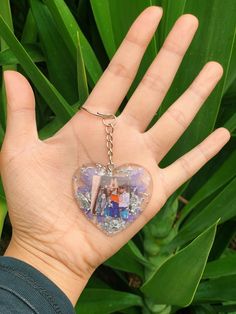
[33, 287]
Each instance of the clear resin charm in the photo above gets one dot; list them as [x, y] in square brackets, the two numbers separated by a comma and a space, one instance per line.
[112, 200]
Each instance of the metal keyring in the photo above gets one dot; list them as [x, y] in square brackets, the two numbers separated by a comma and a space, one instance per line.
[104, 116]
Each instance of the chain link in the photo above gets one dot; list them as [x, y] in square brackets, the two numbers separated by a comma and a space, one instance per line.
[109, 142]
[109, 121]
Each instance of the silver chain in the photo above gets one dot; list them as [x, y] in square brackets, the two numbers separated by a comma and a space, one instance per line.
[109, 139]
[109, 128]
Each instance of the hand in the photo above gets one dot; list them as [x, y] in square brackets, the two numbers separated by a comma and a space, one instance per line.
[49, 230]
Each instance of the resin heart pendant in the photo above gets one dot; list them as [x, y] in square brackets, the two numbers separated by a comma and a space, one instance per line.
[112, 201]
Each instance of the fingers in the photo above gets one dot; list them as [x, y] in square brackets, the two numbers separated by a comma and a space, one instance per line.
[21, 123]
[117, 78]
[172, 124]
[187, 165]
[152, 89]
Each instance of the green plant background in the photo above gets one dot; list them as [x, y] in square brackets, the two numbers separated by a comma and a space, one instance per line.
[184, 259]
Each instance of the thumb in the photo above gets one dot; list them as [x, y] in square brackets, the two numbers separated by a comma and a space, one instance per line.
[21, 127]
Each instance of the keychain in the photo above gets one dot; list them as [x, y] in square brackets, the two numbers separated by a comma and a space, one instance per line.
[111, 197]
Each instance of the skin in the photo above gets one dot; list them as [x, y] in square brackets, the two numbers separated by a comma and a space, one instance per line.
[49, 231]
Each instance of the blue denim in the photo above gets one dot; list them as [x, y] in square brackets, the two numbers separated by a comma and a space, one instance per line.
[25, 290]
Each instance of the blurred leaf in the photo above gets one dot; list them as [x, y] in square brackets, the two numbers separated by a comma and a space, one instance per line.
[95, 282]
[30, 31]
[161, 224]
[5, 12]
[220, 177]
[1, 135]
[103, 18]
[176, 281]
[224, 235]
[220, 289]
[3, 212]
[205, 47]
[231, 77]
[34, 51]
[222, 309]
[216, 209]
[231, 123]
[81, 74]
[129, 259]
[203, 309]
[54, 125]
[222, 267]
[55, 101]
[61, 69]
[104, 301]
[68, 28]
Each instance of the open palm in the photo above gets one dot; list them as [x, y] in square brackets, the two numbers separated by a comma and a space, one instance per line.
[37, 174]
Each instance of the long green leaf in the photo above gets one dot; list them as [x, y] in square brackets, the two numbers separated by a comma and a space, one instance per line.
[34, 51]
[68, 29]
[231, 123]
[60, 65]
[222, 176]
[30, 31]
[220, 289]
[81, 74]
[5, 11]
[205, 47]
[129, 259]
[104, 301]
[56, 102]
[3, 213]
[176, 281]
[103, 18]
[113, 20]
[222, 267]
[215, 210]
[171, 11]
[224, 235]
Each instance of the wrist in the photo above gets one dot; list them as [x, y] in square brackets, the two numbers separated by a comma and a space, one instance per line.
[69, 282]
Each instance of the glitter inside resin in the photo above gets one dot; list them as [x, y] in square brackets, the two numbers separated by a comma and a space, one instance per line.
[112, 201]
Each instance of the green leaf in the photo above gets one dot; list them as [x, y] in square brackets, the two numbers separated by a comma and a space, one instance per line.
[204, 48]
[3, 212]
[231, 123]
[221, 176]
[220, 289]
[54, 99]
[81, 74]
[224, 235]
[224, 266]
[103, 18]
[68, 29]
[231, 77]
[129, 259]
[176, 281]
[60, 65]
[225, 308]
[34, 51]
[113, 20]
[5, 11]
[30, 31]
[105, 301]
[54, 125]
[171, 11]
[216, 209]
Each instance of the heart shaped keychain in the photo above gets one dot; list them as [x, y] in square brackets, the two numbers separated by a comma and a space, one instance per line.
[111, 197]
